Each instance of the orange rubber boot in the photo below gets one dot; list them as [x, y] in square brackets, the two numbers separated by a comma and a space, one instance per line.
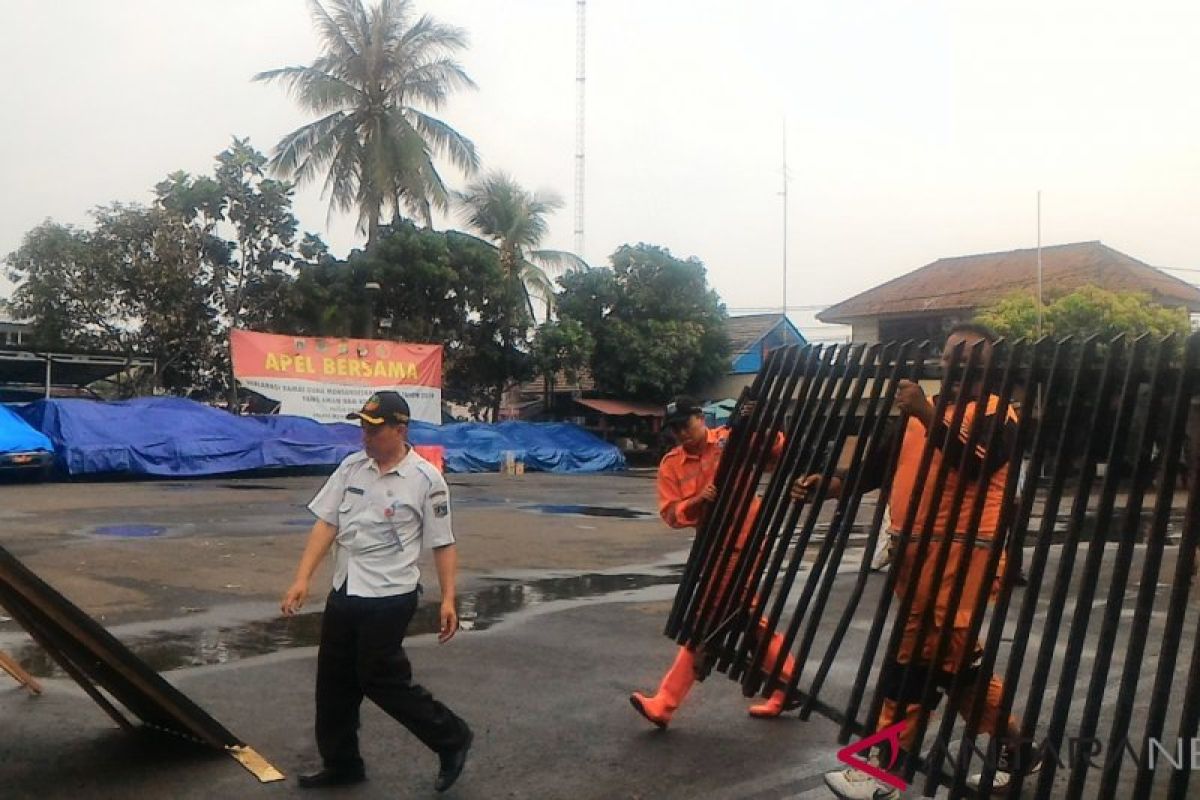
[674, 687]
[777, 703]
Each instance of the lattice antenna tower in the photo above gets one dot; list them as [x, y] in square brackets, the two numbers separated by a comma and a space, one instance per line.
[580, 80]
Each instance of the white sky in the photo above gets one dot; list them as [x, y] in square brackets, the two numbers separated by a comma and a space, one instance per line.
[915, 130]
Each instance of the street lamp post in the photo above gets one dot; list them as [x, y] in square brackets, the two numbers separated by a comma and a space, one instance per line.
[372, 289]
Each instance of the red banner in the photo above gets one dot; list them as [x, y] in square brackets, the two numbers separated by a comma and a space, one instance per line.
[326, 378]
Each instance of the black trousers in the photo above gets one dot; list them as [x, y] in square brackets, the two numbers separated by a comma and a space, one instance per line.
[362, 655]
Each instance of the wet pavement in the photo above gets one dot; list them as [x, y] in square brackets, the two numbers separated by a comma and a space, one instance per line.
[563, 606]
[180, 643]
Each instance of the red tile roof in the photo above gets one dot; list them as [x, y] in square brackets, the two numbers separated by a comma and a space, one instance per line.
[968, 282]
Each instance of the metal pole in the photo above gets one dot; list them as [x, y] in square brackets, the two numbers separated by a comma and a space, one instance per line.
[1039, 263]
[785, 216]
[580, 84]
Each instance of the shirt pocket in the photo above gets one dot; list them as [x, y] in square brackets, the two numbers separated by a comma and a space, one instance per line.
[397, 515]
[348, 510]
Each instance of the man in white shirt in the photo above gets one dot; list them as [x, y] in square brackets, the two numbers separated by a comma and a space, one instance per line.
[376, 511]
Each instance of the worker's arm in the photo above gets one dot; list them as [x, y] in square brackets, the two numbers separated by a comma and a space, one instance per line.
[871, 470]
[445, 558]
[910, 399]
[437, 533]
[677, 509]
[319, 541]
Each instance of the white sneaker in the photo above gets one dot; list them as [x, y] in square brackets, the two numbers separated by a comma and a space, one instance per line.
[854, 784]
[882, 556]
[1007, 771]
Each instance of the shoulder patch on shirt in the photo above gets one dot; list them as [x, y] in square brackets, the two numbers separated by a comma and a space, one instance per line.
[438, 493]
[356, 457]
[441, 509]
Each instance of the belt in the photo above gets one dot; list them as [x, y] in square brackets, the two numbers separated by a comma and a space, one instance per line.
[961, 538]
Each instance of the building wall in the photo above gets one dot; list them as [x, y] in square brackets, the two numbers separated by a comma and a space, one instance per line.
[865, 329]
[13, 334]
[728, 386]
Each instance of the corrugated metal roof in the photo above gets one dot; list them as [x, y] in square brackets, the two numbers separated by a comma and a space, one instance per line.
[620, 408]
[744, 331]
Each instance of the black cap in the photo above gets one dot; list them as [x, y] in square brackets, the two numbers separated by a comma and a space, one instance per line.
[382, 408]
[682, 407]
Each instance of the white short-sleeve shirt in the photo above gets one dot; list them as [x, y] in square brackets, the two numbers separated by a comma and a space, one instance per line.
[383, 521]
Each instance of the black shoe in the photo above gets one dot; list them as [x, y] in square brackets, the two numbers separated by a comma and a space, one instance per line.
[452, 764]
[344, 776]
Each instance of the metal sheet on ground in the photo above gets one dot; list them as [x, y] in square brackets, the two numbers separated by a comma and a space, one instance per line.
[97, 661]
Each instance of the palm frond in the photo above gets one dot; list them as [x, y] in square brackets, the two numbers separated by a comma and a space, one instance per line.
[558, 260]
[316, 90]
[330, 33]
[444, 140]
[320, 152]
[380, 70]
[300, 143]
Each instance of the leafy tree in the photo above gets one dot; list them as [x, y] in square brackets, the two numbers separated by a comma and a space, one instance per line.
[434, 287]
[377, 69]
[1086, 311]
[515, 221]
[133, 286]
[257, 212]
[169, 280]
[561, 347]
[57, 292]
[658, 328]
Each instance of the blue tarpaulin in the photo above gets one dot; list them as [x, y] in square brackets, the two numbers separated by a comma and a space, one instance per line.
[16, 435]
[181, 438]
[545, 447]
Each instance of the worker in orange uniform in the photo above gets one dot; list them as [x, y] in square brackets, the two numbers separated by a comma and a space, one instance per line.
[920, 413]
[685, 493]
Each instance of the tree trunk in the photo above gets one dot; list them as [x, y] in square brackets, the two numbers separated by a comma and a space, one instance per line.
[372, 230]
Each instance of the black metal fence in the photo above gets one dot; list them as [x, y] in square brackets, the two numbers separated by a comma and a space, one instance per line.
[1067, 462]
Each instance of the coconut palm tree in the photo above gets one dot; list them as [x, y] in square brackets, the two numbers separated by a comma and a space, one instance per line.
[514, 220]
[372, 141]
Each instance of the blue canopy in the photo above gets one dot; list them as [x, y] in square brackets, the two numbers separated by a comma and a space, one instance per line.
[180, 438]
[16, 436]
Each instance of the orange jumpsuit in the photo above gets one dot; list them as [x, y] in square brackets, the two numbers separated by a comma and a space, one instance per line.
[905, 478]
[682, 477]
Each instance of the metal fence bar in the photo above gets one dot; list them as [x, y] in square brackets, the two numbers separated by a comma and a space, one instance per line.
[716, 531]
[881, 612]
[1001, 542]
[1121, 567]
[832, 446]
[881, 505]
[1093, 561]
[994, 441]
[720, 585]
[1189, 717]
[713, 529]
[819, 585]
[743, 600]
[796, 447]
[1069, 422]
[770, 532]
[955, 374]
[928, 617]
[1181, 587]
